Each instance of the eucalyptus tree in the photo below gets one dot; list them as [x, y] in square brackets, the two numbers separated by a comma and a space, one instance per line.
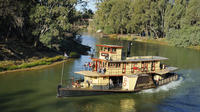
[192, 16]
[119, 16]
[54, 21]
[175, 13]
[189, 32]
[14, 20]
[102, 15]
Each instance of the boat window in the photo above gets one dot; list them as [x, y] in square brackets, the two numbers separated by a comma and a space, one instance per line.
[104, 78]
[113, 49]
[108, 49]
[105, 49]
[117, 65]
[101, 48]
[111, 64]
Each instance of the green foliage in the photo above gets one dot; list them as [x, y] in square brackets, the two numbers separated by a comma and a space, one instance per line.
[14, 20]
[74, 55]
[154, 18]
[187, 36]
[1, 69]
[44, 61]
[41, 23]
[14, 67]
[53, 21]
[112, 16]
[193, 13]
[175, 14]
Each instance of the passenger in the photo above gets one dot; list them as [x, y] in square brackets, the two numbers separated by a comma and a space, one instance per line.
[104, 70]
[86, 65]
[163, 66]
[111, 83]
[88, 83]
[93, 66]
[90, 66]
[99, 70]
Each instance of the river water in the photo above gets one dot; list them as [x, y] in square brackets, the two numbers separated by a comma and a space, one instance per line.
[35, 91]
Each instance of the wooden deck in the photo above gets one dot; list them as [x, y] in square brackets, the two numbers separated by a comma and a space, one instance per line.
[94, 74]
[166, 70]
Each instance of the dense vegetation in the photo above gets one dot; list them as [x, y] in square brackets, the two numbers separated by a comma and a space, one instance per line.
[178, 20]
[39, 24]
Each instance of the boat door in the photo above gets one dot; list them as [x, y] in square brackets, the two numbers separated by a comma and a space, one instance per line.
[123, 68]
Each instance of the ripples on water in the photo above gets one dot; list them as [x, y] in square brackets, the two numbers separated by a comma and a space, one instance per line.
[167, 87]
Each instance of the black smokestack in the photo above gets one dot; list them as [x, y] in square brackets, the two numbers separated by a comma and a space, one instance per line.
[129, 49]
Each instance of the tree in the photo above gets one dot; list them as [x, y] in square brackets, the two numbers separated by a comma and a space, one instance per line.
[54, 22]
[175, 13]
[112, 16]
[192, 16]
[14, 20]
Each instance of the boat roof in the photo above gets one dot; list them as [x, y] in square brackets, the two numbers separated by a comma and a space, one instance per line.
[141, 58]
[111, 46]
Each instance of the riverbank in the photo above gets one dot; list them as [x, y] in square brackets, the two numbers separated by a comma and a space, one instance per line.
[22, 56]
[31, 64]
[160, 41]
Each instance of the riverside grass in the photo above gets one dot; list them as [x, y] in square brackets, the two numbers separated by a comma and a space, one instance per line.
[160, 41]
[13, 65]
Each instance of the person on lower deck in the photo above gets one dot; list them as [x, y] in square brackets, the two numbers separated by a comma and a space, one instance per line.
[111, 85]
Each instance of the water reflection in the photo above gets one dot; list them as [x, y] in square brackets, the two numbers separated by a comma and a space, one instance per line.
[127, 105]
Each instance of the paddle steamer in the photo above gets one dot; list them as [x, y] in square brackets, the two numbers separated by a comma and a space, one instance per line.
[113, 73]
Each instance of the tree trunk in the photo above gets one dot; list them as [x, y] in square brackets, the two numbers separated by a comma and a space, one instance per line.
[36, 42]
[154, 32]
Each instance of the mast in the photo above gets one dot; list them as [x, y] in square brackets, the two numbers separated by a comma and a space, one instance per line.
[61, 81]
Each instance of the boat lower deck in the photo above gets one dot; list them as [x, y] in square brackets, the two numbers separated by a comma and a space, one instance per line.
[144, 81]
[73, 92]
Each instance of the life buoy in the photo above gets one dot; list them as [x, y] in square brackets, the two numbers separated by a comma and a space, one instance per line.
[124, 84]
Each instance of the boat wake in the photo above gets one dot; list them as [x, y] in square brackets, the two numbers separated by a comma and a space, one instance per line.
[167, 87]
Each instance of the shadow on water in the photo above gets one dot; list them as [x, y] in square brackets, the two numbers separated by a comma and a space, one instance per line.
[6, 101]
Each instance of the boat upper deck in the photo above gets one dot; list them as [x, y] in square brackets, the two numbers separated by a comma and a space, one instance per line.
[93, 74]
[96, 74]
[136, 59]
[110, 46]
[142, 58]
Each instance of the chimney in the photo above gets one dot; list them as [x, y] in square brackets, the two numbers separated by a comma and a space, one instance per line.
[129, 49]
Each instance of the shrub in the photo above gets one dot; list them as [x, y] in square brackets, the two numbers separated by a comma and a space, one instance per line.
[187, 36]
[44, 61]
[74, 55]
[1, 69]
[13, 67]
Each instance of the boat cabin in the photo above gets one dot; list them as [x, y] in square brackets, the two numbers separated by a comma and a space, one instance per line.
[110, 71]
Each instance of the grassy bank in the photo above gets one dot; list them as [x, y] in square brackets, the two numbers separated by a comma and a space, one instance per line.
[15, 65]
[161, 41]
